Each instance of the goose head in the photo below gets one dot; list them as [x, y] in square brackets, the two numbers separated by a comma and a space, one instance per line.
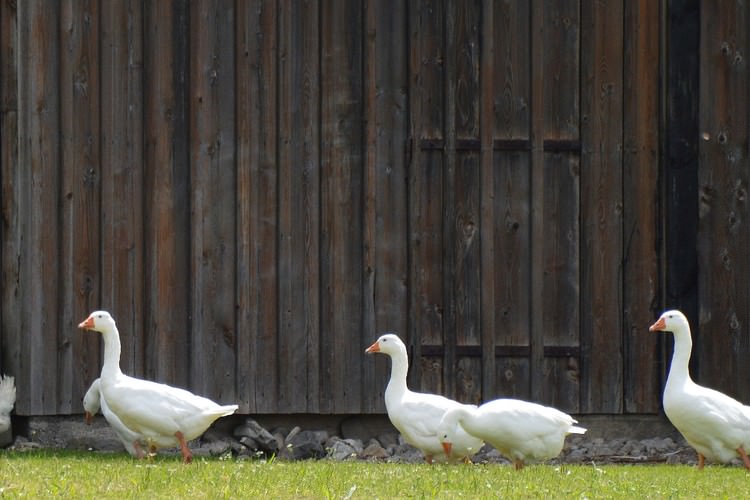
[671, 321]
[99, 321]
[388, 343]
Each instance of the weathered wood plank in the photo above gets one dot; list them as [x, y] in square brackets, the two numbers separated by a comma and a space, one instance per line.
[299, 200]
[640, 205]
[562, 66]
[166, 192]
[11, 193]
[513, 379]
[213, 331]
[80, 205]
[39, 153]
[341, 256]
[427, 109]
[560, 300]
[511, 67]
[512, 233]
[724, 214]
[257, 174]
[601, 206]
[122, 176]
[385, 291]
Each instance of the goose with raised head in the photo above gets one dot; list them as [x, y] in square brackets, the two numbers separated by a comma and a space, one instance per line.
[716, 425]
[521, 431]
[156, 412]
[416, 415]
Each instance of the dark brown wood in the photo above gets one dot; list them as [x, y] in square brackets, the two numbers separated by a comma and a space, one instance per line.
[81, 177]
[386, 305]
[122, 177]
[257, 190]
[39, 154]
[11, 195]
[213, 331]
[723, 233]
[426, 185]
[341, 217]
[602, 206]
[640, 205]
[166, 184]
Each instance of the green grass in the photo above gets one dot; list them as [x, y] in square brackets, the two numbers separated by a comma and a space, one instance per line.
[93, 475]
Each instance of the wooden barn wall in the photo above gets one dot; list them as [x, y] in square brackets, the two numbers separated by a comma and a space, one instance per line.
[256, 190]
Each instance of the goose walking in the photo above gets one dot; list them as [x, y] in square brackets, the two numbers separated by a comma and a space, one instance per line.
[716, 425]
[416, 415]
[519, 430]
[157, 413]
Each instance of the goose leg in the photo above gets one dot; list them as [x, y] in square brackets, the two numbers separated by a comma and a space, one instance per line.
[428, 458]
[138, 450]
[744, 456]
[701, 461]
[518, 464]
[187, 456]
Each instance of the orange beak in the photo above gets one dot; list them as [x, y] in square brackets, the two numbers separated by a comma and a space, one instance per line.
[659, 326]
[87, 324]
[373, 348]
[447, 448]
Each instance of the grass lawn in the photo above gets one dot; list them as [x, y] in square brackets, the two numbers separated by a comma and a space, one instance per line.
[87, 475]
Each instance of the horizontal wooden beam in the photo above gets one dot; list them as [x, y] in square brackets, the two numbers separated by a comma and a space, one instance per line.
[502, 351]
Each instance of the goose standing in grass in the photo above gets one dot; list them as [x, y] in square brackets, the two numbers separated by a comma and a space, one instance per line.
[7, 401]
[416, 415]
[161, 414]
[519, 430]
[716, 425]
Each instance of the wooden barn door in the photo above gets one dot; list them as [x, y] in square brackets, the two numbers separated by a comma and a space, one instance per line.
[534, 174]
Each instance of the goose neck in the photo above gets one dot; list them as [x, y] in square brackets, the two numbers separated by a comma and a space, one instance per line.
[111, 365]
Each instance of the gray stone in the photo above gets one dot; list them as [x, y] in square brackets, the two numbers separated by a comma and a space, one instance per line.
[340, 449]
[304, 445]
[256, 437]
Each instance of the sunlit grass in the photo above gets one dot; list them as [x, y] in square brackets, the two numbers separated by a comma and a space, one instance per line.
[88, 475]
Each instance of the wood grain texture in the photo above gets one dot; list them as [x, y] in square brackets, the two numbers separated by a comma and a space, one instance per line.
[341, 218]
[166, 192]
[602, 206]
[385, 287]
[722, 342]
[257, 190]
[640, 205]
[80, 177]
[122, 229]
[213, 332]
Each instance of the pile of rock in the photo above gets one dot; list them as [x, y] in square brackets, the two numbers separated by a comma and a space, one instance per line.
[247, 439]
[251, 440]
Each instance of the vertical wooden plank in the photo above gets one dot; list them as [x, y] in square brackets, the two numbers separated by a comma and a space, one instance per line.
[122, 176]
[427, 108]
[39, 153]
[640, 204]
[465, 219]
[11, 188]
[299, 210]
[601, 206]
[681, 148]
[166, 199]
[537, 203]
[558, 382]
[723, 233]
[488, 264]
[508, 177]
[80, 207]
[341, 208]
[386, 210]
[257, 145]
[212, 199]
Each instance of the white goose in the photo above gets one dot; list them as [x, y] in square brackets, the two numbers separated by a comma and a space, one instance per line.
[159, 413]
[518, 429]
[7, 401]
[92, 403]
[416, 415]
[716, 425]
